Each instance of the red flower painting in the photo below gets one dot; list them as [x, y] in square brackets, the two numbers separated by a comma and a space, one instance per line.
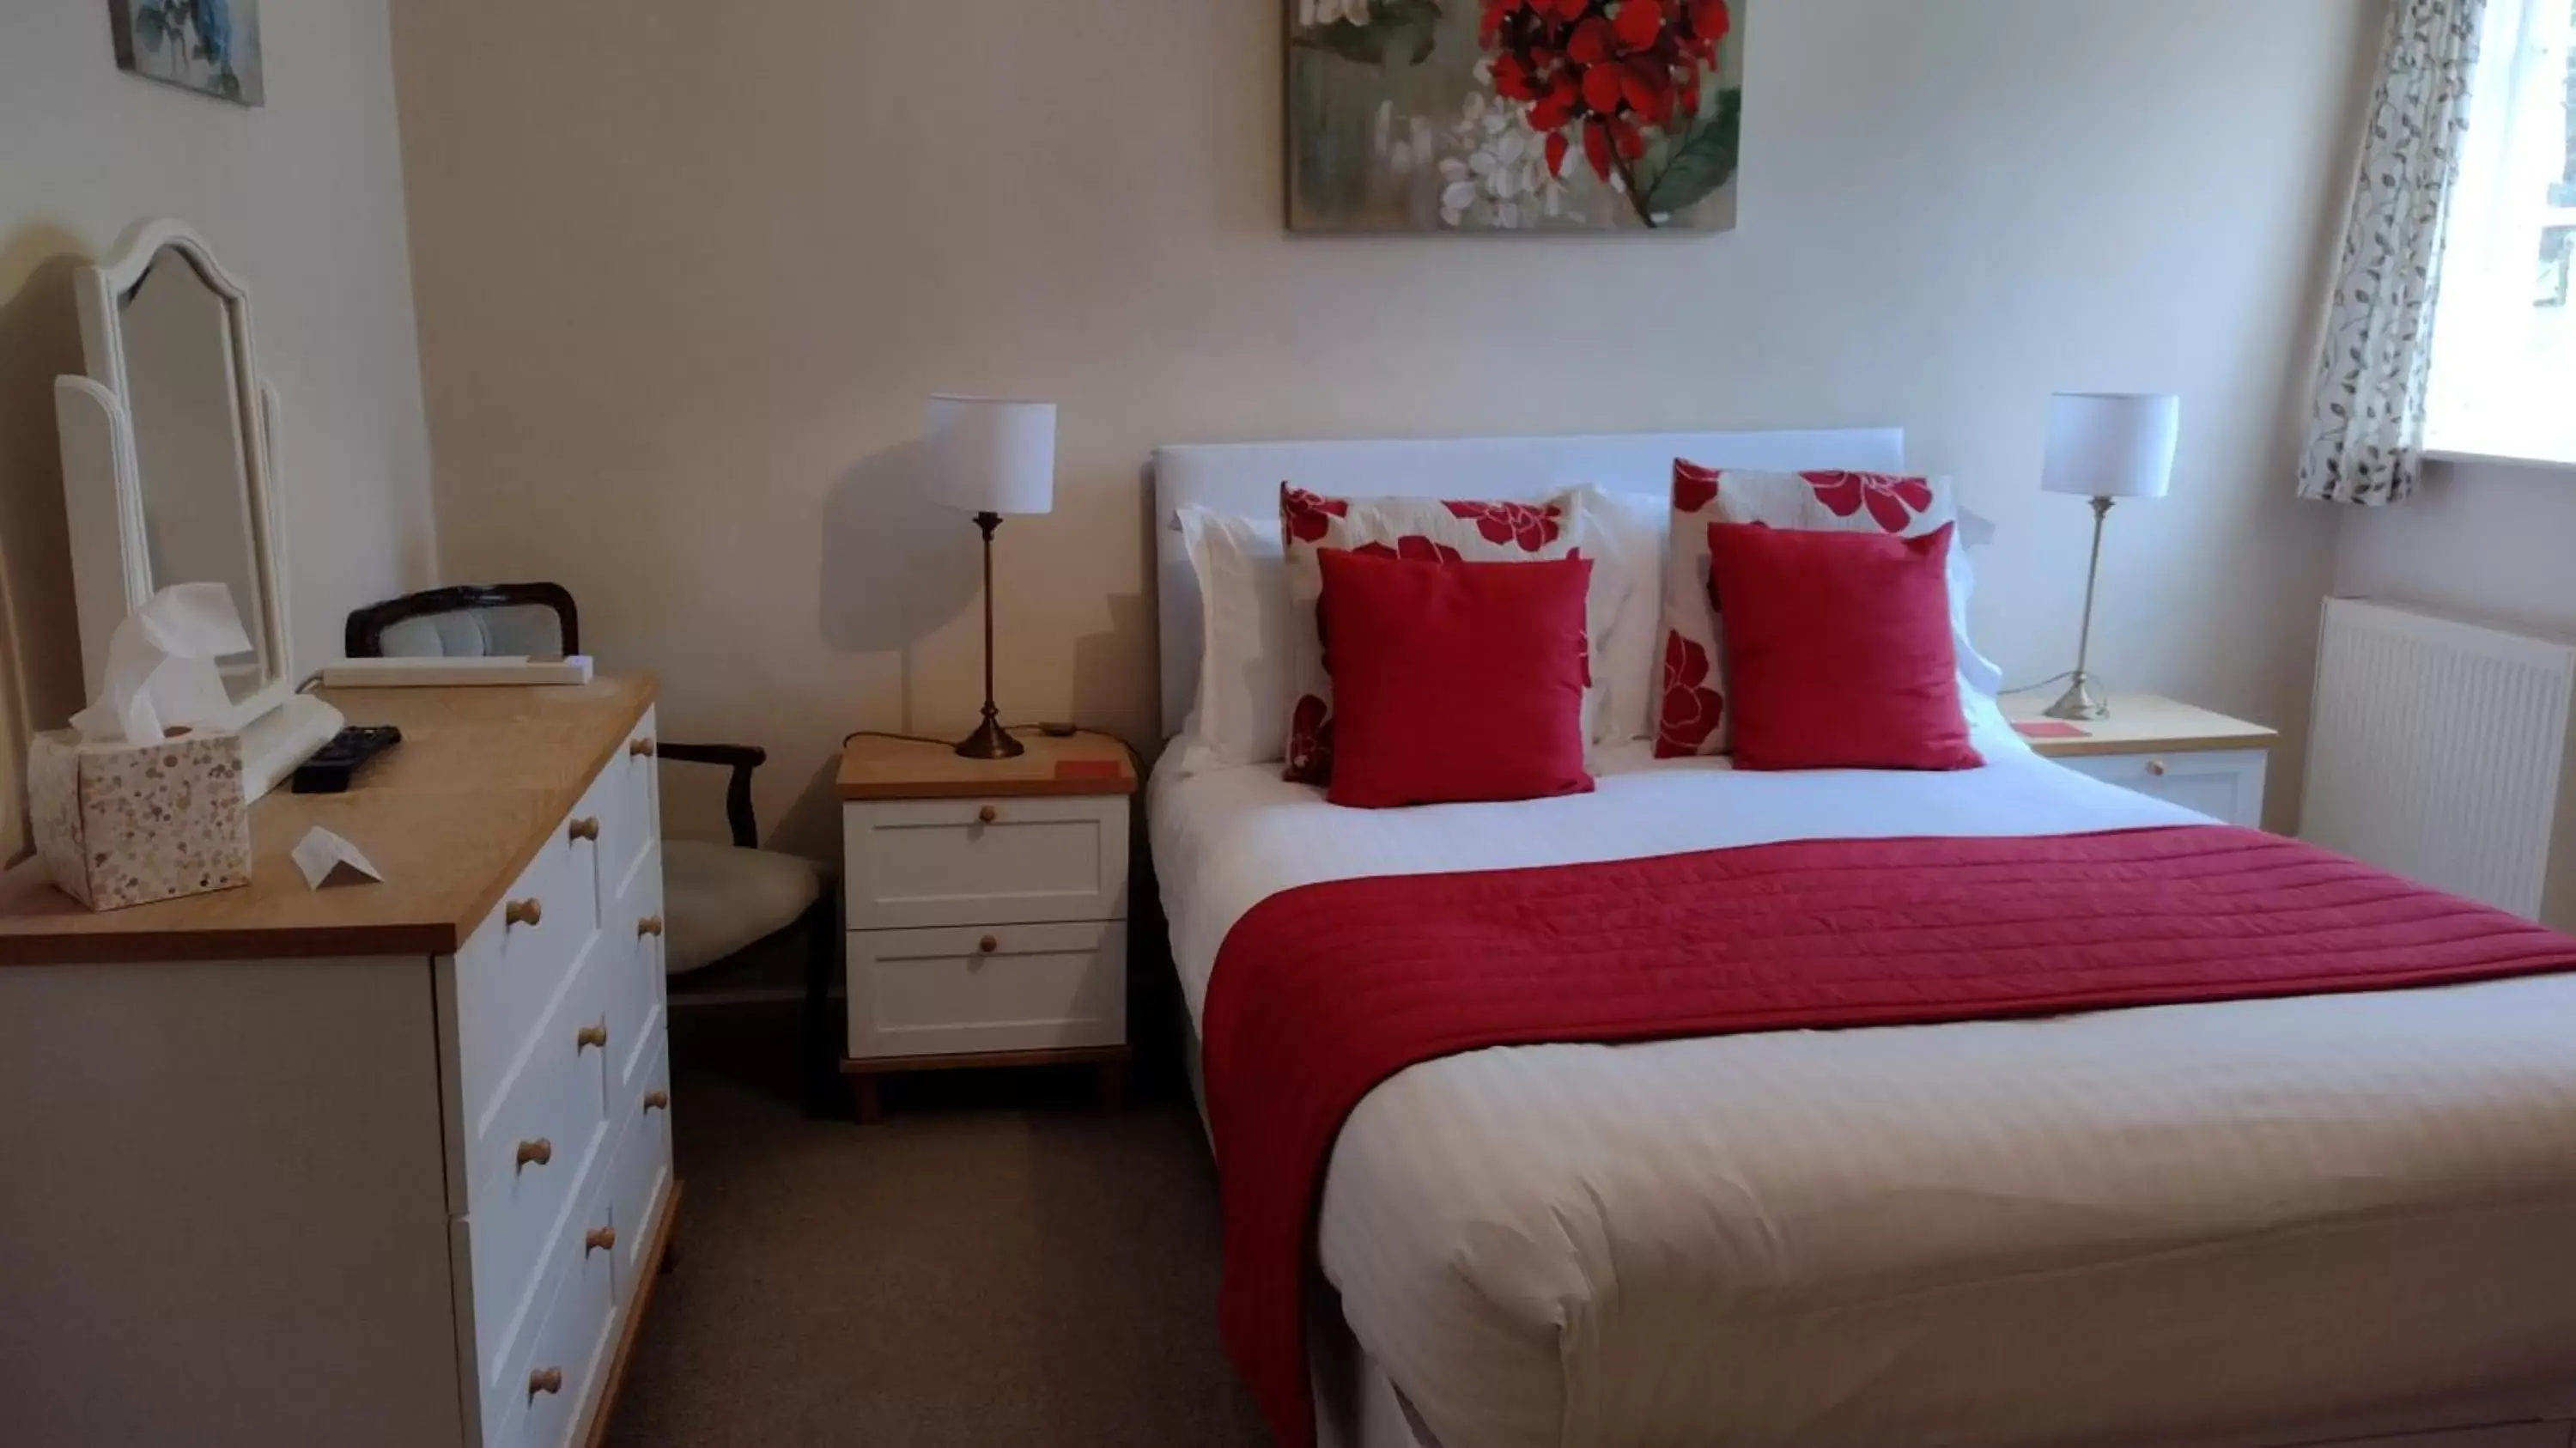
[1514, 115]
[1692, 710]
[1309, 516]
[1522, 525]
[1614, 73]
[1893, 502]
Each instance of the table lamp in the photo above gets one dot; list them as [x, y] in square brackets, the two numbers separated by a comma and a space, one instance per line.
[2106, 446]
[991, 458]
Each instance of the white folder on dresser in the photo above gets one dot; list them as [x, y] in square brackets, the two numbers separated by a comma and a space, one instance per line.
[384, 1164]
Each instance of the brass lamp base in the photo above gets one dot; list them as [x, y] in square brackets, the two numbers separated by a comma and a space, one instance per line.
[990, 741]
[2083, 703]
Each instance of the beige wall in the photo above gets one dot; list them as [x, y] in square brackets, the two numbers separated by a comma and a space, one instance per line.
[303, 202]
[686, 279]
[2487, 538]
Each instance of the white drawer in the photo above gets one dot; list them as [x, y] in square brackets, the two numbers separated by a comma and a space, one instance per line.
[639, 1182]
[635, 1016]
[555, 1114]
[545, 1393]
[922, 863]
[943, 993]
[635, 804]
[2226, 785]
[597, 836]
[508, 974]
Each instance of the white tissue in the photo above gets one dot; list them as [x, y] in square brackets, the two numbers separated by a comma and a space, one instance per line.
[161, 667]
[327, 859]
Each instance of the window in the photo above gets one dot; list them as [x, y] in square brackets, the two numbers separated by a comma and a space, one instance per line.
[2504, 353]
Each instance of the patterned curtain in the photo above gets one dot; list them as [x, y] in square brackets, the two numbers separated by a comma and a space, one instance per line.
[2366, 434]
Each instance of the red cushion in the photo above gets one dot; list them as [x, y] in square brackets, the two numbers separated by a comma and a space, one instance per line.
[1838, 652]
[1455, 681]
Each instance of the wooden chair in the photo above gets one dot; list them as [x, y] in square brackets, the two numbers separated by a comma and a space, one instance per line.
[718, 900]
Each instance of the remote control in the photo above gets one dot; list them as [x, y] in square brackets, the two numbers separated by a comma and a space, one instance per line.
[335, 764]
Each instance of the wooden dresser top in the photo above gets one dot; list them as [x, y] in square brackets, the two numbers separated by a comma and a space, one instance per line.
[451, 816]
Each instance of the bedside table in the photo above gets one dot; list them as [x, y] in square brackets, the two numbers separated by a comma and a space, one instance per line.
[987, 909]
[2171, 751]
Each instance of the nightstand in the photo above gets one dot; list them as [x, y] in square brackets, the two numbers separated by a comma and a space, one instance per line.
[2171, 751]
[987, 908]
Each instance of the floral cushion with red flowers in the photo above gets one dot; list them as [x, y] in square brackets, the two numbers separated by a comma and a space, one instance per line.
[1423, 531]
[1457, 683]
[1838, 649]
[1691, 717]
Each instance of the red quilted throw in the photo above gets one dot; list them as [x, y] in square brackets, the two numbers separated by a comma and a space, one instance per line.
[1321, 993]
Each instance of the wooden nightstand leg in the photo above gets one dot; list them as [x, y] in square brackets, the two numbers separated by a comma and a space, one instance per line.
[866, 1102]
[1113, 1085]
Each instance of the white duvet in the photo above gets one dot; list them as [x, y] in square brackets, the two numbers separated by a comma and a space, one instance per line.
[2244, 1222]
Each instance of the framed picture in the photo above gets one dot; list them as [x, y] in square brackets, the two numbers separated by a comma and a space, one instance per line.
[204, 45]
[1460, 117]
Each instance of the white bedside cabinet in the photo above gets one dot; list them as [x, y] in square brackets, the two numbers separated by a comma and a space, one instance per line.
[2155, 746]
[987, 908]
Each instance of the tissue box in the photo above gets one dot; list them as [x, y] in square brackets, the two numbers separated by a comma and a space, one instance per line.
[126, 824]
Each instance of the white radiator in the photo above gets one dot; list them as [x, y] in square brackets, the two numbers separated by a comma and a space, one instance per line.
[2441, 749]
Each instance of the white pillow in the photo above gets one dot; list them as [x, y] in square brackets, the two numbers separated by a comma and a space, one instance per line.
[1977, 672]
[1243, 654]
[1633, 529]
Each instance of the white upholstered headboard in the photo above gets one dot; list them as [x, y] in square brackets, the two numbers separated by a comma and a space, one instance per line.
[1243, 479]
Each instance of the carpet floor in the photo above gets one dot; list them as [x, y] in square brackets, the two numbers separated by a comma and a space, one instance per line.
[999, 1263]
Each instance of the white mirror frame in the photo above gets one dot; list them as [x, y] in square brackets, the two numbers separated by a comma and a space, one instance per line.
[103, 500]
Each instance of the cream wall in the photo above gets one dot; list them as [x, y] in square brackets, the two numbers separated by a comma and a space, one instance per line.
[303, 202]
[686, 281]
[2481, 537]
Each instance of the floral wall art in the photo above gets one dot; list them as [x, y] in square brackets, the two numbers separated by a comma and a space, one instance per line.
[203, 45]
[1486, 116]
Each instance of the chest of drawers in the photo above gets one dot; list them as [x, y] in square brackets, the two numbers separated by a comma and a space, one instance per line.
[386, 1164]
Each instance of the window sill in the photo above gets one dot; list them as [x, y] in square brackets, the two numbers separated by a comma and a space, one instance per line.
[2455, 457]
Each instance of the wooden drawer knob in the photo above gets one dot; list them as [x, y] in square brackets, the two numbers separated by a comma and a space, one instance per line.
[545, 1380]
[584, 830]
[536, 1153]
[987, 945]
[523, 912]
[640, 748]
[657, 1100]
[649, 925]
[988, 814]
[2157, 768]
[598, 1239]
[589, 1036]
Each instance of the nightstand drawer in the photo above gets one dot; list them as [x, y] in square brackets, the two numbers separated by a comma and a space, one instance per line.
[987, 989]
[2226, 785]
[943, 862]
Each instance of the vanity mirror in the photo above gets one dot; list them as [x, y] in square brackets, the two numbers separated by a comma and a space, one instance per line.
[167, 477]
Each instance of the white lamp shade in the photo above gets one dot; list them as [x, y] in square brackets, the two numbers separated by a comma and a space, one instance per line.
[992, 456]
[2112, 445]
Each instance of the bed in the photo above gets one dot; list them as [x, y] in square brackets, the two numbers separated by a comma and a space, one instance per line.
[2264, 1222]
